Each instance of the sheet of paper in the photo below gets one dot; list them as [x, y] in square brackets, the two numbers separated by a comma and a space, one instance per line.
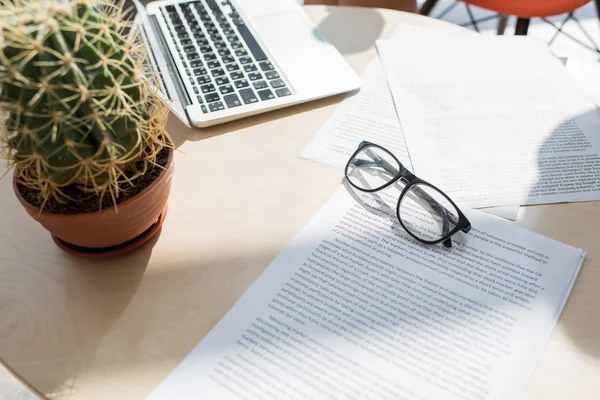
[586, 75]
[369, 115]
[493, 120]
[354, 308]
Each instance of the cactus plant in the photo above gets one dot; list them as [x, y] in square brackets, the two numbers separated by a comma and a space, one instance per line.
[79, 107]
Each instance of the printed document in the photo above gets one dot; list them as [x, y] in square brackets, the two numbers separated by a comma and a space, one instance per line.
[354, 308]
[369, 115]
[493, 120]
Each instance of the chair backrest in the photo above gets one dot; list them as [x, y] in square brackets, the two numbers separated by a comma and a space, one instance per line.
[529, 8]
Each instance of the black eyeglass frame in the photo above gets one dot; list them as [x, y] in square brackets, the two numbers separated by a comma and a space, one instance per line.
[410, 180]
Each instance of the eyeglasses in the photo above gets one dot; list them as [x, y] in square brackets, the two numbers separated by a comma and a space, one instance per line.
[423, 210]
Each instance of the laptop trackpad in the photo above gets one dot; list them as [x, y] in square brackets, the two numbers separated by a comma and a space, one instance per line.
[295, 45]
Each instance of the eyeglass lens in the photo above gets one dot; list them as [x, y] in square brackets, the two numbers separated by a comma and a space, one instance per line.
[372, 168]
[427, 213]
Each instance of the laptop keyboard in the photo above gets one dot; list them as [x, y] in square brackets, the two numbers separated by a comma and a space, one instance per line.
[225, 65]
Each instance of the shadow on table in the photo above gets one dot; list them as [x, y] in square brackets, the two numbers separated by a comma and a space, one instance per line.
[56, 334]
[338, 26]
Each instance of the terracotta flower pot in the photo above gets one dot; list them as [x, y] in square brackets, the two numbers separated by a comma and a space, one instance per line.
[109, 232]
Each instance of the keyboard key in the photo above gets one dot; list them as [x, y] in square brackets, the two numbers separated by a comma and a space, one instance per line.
[203, 79]
[228, 59]
[277, 83]
[225, 53]
[202, 42]
[186, 42]
[192, 56]
[220, 45]
[260, 85]
[216, 37]
[189, 49]
[238, 22]
[232, 67]
[266, 66]
[210, 56]
[217, 106]
[196, 63]
[171, 9]
[212, 4]
[241, 52]
[226, 89]
[200, 71]
[196, 90]
[245, 60]
[250, 68]
[266, 94]
[213, 64]
[222, 80]
[254, 76]
[232, 100]
[183, 35]
[188, 72]
[272, 75]
[204, 109]
[242, 83]
[180, 28]
[214, 96]
[251, 42]
[248, 96]
[200, 99]
[192, 81]
[226, 30]
[217, 72]
[208, 88]
[237, 45]
[232, 38]
[236, 75]
[283, 92]
[205, 49]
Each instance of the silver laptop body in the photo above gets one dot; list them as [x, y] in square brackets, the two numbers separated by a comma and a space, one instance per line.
[222, 60]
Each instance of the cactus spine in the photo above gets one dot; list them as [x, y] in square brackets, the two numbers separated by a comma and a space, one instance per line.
[78, 105]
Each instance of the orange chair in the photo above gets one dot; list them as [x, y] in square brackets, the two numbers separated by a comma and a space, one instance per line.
[524, 10]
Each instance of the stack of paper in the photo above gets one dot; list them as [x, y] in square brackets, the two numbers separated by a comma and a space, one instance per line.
[500, 124]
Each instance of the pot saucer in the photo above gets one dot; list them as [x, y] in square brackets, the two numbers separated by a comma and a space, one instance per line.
[106, 252]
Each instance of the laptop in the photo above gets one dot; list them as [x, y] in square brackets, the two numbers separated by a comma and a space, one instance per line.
[221, 60]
